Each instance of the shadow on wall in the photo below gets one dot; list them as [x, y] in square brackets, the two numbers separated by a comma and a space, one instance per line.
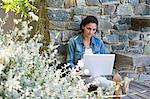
[62, 51]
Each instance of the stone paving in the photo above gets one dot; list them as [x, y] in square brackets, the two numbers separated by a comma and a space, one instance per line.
[139, 90]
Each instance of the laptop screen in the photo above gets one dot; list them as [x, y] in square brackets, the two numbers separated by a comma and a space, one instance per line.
[99, 64]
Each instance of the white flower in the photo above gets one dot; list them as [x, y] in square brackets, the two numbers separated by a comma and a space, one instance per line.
[25, 28]
[86, 71]
[16, 21]
[10, 42]
[80, 63]
[30, 28]
[1, 67]
[13, 83]
[34, 17]
[4, 56]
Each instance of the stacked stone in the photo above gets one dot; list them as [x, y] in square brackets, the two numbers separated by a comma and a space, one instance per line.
[118, 28]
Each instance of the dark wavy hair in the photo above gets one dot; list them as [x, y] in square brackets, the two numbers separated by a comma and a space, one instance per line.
[87, 20]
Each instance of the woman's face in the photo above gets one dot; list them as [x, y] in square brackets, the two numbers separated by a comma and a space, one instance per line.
[89, 30]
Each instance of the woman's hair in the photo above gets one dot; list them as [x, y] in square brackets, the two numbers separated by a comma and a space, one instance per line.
[87, 20]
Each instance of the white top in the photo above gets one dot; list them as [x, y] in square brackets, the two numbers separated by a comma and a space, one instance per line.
[88, 51]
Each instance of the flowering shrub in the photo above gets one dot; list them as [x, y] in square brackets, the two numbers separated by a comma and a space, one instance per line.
[25, 72]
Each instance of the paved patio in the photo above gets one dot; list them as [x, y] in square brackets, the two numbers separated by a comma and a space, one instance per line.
[139, 90]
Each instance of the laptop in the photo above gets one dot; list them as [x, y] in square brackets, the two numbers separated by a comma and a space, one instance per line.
[99, 64]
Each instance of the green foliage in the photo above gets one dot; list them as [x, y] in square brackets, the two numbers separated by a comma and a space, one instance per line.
[19, 6]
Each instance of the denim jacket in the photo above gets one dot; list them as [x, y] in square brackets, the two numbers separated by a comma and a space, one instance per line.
[76, 48]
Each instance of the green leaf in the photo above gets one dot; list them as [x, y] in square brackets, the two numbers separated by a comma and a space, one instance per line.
[7, 7]
[18, 6]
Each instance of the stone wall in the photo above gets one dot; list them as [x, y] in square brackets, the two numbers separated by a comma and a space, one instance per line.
[124, 24]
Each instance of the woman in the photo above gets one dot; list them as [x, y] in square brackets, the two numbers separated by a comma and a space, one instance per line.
[88, 43]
